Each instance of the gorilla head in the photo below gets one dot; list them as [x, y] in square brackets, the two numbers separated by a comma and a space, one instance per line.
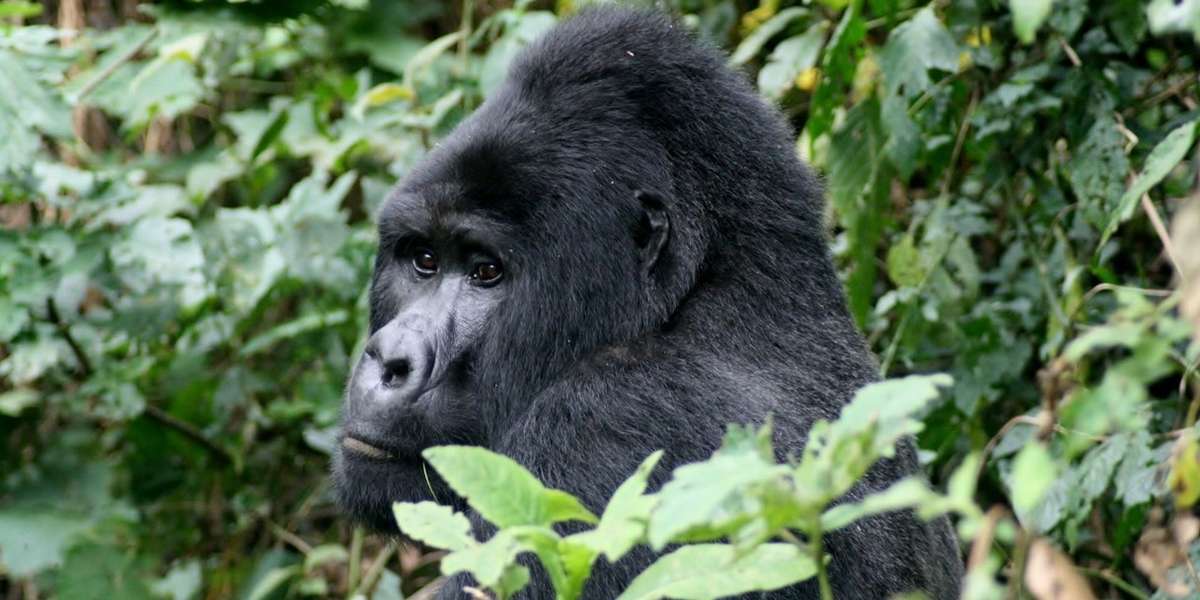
[617, 252]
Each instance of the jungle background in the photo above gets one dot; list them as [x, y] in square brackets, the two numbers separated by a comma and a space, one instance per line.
[187, 194]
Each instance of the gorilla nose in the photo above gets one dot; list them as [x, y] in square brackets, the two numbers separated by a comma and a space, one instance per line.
[394, 372]
[395, 366]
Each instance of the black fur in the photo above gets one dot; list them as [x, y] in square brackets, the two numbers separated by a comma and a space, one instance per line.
[595, 358]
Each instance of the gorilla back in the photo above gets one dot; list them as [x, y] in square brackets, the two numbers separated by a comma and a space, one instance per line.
[618, 252]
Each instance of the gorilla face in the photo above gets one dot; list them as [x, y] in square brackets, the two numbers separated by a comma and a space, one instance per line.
[438, 281]
[484, 290]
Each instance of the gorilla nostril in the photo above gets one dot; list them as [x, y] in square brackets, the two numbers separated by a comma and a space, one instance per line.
[395, 371]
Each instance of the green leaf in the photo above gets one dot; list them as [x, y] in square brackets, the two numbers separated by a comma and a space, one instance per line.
[1028, 16]
[906, 493]
[486, 562]
[567, 563]
[182, 582]
[904, 264]
[426, 55]
[750, 47]
[529, 26]
[789, 59]
[903, 146]
[837, 454]
[100, 571]
[1168, 153]
[19, 9]
[1167, 16]
[1098, 168]
[325, 554]
[291, 329]
[708, 571]
[1033, 472]
[435, 525]
[623, 523]
[915, 47]
[699, 495]
[14, 402]
[501, 490]
[33, 540]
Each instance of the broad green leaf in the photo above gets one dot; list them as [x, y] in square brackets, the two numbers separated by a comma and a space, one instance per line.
[501, 490]
[710, 495]
[790, 58]
[513, 580]
[890, 405]
[1104, 336]
[305, 324]
[1033, 472]
[486, 562]
[906, 493]
[182, 582]
[623, 523]
[528, 27]
[186, 48]
[325, 554]
[33, 540]
[166, 88]
[567, 562]
[839, 62]
[838, 453]
[1028, 16]
[14, 402]
[904, 264]
[1098, 168]
[1136, 480]
[425, 56]
[101, 571]
[1167, 16]
[162, 252]
[915, 47]
[750, 47]
[1168, 153]
[19, 9]
[435, 525]
[709, 571]
[903, 146]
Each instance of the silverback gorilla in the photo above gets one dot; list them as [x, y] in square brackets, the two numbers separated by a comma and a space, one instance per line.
[617, 252]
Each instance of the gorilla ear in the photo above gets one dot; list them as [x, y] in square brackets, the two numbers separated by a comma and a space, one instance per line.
[653, 229]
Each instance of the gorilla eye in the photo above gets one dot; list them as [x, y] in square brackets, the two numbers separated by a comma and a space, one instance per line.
[487, 272]
[425, 262]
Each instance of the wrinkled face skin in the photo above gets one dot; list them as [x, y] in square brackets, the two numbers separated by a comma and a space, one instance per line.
[439, 276]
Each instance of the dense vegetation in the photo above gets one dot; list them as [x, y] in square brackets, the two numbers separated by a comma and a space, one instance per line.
[186, 200]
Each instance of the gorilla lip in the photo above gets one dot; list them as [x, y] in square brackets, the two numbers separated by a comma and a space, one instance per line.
[361, 447]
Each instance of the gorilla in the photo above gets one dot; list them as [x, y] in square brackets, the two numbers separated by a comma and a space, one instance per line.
[618, 252]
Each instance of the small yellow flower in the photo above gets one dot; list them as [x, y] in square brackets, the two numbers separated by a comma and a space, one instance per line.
[964, 61]
[758, 16]
[980, 36]
[808, 78]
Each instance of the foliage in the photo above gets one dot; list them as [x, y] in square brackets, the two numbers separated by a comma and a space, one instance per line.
[741, 494]
[186, 226]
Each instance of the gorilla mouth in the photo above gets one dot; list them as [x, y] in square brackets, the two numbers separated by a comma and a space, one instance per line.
[361, 447]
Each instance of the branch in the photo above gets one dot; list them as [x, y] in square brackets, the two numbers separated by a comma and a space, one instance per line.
[187, 430]
[153, 412]
[112, 68]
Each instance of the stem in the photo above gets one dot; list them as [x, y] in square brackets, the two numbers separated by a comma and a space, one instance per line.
[371, 577]
[112, 68]
[817, 546]
[356, 544]
[1117, 582]
[153, 412]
